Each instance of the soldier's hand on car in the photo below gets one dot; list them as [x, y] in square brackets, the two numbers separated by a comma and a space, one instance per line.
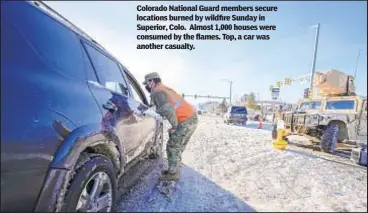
[172, 130]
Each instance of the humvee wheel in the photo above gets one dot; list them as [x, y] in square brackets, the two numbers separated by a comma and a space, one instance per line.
[330, 138]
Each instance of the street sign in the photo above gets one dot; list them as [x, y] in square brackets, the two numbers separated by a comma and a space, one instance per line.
[275, 93]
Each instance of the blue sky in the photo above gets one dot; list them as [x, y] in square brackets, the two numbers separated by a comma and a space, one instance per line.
[253, 65]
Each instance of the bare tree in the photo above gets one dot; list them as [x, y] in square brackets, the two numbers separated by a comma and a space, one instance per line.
[223, 106]
[251, 102]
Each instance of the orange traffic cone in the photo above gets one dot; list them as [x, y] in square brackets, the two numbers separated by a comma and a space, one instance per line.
[260, 124]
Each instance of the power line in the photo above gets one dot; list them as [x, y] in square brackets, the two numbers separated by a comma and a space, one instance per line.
[204, 96]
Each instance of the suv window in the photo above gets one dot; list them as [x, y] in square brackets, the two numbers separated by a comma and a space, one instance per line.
[55, 43]
[340, 105]
[135, 92]
[90, 72]
[239, 110]
[108, 71]
[138, 95]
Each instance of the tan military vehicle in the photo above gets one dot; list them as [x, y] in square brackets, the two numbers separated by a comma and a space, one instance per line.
[334, 118]
[330, 120]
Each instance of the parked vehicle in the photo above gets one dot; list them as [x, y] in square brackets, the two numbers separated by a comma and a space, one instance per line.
[336, 122]
[74, 119]
[236, 115]
[201, 111]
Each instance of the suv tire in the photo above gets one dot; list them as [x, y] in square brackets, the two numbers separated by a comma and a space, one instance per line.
[329, 138]
[96, 169]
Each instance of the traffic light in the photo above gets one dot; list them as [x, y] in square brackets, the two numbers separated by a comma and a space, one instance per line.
[310, 95]
[195, 96]
[306, 93]
[278, 84]
[287, 81]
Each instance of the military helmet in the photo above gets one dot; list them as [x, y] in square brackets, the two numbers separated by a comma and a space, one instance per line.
[150, 76]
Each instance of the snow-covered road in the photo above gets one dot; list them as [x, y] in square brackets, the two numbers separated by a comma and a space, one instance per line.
[231, 168]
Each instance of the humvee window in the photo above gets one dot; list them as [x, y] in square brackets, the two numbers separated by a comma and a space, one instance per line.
[310, 105]
[340, 105]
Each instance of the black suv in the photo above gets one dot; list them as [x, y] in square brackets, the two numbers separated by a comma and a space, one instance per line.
[237, 115]
[73, 119]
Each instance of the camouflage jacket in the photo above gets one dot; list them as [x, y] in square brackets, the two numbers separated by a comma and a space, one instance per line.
[164, 108]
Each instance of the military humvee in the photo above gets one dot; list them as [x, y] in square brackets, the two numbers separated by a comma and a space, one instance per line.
[331, 121]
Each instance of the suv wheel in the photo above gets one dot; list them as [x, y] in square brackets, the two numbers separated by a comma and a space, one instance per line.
[157, 148]
[93, 187]
[329, 138]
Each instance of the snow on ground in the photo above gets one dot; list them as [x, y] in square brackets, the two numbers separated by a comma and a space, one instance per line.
[234, 168]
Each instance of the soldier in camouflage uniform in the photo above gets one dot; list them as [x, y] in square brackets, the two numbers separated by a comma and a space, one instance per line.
[182, 117]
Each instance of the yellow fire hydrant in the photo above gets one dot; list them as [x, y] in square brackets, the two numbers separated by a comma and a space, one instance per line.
[280, 143]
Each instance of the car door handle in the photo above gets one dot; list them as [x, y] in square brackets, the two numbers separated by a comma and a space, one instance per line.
[110, 106]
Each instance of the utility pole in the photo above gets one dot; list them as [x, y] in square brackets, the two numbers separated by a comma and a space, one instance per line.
[357, 62]
[314, 57]
[231, 87]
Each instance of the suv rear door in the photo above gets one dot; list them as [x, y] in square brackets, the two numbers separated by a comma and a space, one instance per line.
[109, 87]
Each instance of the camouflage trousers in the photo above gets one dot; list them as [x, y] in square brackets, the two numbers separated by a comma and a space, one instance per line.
[178, 140]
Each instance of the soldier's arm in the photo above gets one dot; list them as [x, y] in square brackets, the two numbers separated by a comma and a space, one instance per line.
[164, 108]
